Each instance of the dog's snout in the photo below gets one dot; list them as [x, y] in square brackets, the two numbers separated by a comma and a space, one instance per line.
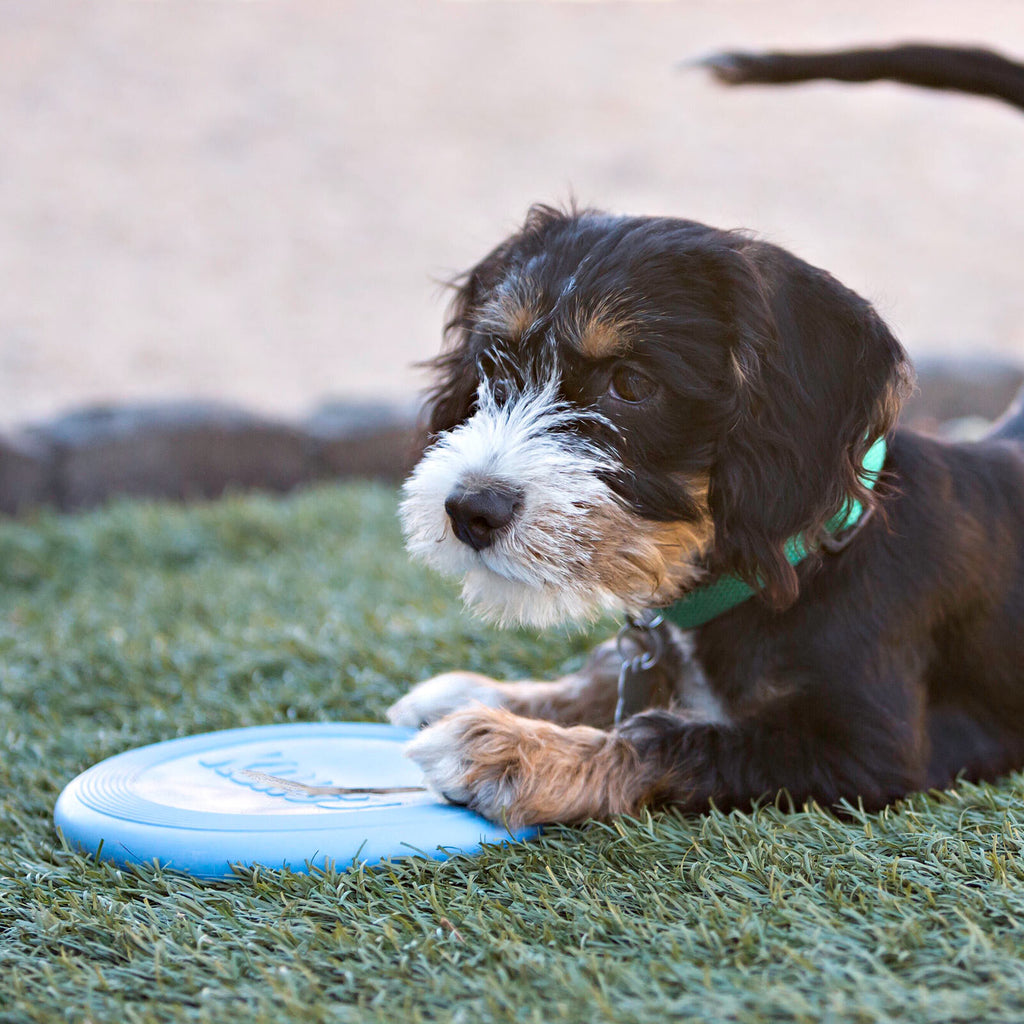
[477, 515]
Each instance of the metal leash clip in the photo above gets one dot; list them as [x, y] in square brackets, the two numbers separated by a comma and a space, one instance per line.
[637, 678]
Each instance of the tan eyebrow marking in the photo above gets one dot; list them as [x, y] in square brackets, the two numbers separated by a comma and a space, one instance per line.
[512, 308]
[603, 331]
[600, 339]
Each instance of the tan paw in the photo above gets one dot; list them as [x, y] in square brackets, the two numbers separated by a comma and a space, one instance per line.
[519, 771]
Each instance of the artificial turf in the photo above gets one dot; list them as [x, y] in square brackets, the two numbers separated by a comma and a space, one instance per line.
[140, 623]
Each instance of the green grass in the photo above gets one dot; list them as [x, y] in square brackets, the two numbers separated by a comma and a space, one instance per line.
[140, 623]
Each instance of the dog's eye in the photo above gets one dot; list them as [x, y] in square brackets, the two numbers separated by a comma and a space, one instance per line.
[630, 385]
[501, 392]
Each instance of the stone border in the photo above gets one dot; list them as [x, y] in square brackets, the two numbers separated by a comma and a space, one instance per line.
[197, 450]
[952, 393]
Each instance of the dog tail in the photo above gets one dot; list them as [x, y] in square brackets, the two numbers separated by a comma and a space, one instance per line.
[958, 69]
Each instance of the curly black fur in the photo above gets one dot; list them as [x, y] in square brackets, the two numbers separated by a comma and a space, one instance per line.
[895, 664]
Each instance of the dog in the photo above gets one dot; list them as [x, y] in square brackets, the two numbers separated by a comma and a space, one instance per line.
[697, 429]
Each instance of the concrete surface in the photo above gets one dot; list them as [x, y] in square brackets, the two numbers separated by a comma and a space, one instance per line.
[252, 202]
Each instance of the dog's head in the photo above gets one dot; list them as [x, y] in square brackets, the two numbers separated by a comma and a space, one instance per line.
[625, 405]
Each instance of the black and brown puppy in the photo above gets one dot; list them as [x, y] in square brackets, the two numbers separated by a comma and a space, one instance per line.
[631, 410]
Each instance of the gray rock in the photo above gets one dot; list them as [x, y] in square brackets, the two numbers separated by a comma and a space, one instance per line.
[966, 428]
[26, 472]
[958, 389]
[378, 440]
[179, 450]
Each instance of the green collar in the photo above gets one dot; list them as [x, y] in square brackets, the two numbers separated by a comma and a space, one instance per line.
[711, 600]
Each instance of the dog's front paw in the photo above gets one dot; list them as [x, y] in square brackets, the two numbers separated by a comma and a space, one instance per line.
[517, 771]
[440, 696]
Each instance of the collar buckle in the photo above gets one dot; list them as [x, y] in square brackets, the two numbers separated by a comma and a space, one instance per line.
[641, 645]
[833, 543]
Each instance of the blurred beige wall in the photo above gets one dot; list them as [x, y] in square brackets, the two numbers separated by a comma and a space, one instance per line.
[253, 201]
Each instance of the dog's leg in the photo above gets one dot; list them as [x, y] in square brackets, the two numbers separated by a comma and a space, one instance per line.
[961, 745]
[586, 697]
[519, 771]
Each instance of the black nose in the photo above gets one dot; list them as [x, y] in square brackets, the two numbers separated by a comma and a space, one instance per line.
[477, 515]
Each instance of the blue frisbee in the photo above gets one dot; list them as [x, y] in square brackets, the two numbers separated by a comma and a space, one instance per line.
[296, 796]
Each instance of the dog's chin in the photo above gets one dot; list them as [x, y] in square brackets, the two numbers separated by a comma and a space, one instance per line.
[512, 602]
[504, 588]
[506, 592]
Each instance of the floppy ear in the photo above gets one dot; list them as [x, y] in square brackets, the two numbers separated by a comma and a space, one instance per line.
[456, 375]
[818, 378]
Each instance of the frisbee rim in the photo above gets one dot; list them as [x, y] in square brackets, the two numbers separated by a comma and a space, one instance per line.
[130, 829]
